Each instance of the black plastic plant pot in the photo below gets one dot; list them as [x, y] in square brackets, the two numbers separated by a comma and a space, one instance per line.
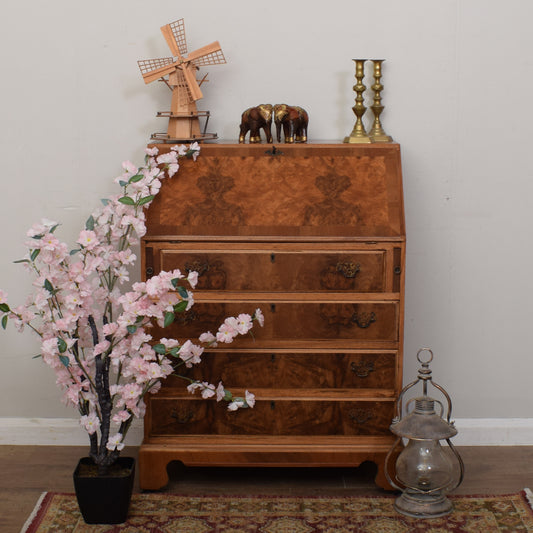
[104, 499]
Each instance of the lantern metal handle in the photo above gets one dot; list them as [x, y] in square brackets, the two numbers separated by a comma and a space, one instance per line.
[425, 376]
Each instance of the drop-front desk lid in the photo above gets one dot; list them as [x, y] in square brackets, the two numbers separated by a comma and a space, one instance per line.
[301, 191]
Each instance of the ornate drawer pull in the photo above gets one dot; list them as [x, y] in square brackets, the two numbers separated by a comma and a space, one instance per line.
[182, 417]
[363, 369]
[197, 266]
[361, 416]
[363, 320]
[348, 270]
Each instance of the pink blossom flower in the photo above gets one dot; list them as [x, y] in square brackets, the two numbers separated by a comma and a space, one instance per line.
[168, 158]
[258, 315]
[101, 347]
[155, 371]
[147, 353]
[129, 167]
[181, 149]
[235, 404]
[169, 343]
[88, 239]
[192, 278]
[208, 338]
[109, 329]
[42, 228]
[152, 151]
[250, 398]
[196, 147]
[208, 390]
[49, 242]
[243, 323]
[172, 169]
[115, 442]
[193, 386]
[90, 422]
[226, 333]
[131, 391]
[221, 392]
[121, 416]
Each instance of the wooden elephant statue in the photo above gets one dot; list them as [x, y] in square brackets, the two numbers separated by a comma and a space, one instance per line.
[253, 120]
[294, 121]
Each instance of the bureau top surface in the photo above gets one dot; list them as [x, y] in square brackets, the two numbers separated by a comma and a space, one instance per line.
[300, 191]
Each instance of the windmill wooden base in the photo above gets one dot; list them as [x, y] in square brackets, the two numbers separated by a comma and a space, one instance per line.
[184, 127]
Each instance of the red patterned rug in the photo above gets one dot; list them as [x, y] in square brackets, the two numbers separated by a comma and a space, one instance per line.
[171, 513]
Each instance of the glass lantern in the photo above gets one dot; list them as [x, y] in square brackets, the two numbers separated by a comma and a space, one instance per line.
[425, 471]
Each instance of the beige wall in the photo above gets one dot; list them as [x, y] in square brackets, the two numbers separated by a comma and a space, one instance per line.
[458, 83]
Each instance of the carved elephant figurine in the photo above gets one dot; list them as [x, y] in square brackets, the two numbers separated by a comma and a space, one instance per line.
[255, 118]
[294, 121]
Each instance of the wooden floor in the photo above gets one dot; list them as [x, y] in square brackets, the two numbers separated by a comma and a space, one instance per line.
[27, 471]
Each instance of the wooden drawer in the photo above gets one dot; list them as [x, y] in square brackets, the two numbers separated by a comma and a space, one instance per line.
[278, 270]
[270, 417]
[287, 321]
[293, 370]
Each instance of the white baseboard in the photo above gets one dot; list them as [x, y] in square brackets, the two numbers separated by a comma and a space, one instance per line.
[493, 432]
[67, 432]
[55, 431]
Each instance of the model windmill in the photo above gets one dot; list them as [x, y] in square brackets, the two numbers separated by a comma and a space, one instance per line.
[179, 74]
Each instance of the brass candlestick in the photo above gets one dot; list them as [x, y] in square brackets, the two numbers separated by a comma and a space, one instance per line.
[377, 133]
[359, 134]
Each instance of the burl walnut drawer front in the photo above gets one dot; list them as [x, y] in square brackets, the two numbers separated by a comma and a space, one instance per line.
[277, 417]
[285, 321]
[281, 270]
[250, 370]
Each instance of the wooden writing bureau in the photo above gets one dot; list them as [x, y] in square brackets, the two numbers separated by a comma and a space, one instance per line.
[314, 235]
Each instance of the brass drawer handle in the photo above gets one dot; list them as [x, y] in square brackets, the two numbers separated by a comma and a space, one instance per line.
[348, 270]
[363, 369]
[182, 417]
[363, 320]
[361, 416]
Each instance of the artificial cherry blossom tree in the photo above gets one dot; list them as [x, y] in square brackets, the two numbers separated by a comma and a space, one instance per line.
[95, 336]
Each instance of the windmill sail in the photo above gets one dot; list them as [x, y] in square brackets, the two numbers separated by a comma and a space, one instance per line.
[152, 69]
[213, 58]
[178, 31]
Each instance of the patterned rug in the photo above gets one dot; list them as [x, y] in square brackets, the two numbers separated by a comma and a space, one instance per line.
[170, 513]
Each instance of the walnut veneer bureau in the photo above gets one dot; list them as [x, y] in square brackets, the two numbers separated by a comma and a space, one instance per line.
[314, 235]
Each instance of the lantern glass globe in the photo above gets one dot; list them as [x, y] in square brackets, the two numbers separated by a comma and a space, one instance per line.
[423, 465]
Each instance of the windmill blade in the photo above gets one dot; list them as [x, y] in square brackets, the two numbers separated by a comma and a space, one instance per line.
[171, 41]
[153, 69]
[214, 58]
[209, 49]
[190, 76]
[178, 30]
[147, 65]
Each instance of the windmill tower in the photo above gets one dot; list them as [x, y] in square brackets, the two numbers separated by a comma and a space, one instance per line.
[179, 74]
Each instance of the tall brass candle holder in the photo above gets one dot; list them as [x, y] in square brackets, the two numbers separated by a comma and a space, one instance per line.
[359, 134]
[377, 133]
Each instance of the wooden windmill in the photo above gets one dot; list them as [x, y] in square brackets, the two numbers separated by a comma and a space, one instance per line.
[179, 74]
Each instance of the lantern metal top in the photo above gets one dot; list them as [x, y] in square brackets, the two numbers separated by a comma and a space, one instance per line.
[423, 422]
